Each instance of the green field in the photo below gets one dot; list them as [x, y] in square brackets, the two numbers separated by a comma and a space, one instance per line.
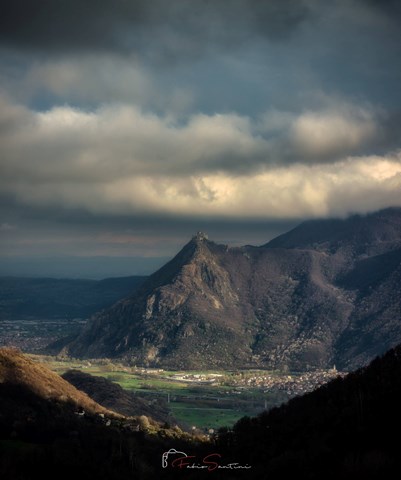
[193, 404]
[206, 418]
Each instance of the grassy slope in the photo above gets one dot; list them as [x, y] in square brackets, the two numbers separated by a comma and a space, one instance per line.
[17, 369]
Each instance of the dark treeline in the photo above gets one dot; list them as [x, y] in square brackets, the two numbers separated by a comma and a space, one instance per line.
[345, 429]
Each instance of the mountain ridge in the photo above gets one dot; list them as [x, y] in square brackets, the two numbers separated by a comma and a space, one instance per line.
[280, 305]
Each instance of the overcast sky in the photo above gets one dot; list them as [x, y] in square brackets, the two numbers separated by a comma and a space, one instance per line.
[126, 126]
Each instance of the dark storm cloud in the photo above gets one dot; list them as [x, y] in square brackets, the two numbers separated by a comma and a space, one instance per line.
[389, 7]
[34, 232]
[176, 26]
[222, 229]
[125, 126]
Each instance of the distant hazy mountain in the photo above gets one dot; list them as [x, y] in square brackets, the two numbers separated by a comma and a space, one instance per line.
[60, 298]
[79, 267]
[326, 292]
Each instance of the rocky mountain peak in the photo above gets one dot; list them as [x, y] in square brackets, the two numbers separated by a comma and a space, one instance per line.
[200, 237]
[327, 292]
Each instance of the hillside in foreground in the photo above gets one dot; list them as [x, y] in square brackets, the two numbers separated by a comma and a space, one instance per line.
[113, 396]
[344, 429]
[49, 429]
[18, 370]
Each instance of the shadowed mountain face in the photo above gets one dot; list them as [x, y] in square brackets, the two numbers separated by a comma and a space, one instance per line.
[326, 292]
[361, 235]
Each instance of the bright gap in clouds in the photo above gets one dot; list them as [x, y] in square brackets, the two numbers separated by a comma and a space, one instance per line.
[120, 160]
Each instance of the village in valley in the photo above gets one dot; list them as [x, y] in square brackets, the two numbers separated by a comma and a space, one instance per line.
[291, 385]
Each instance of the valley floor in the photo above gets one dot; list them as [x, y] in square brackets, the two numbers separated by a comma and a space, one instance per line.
[202, 401]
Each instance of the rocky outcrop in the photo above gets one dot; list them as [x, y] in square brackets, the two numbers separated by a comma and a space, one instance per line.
[326, 292]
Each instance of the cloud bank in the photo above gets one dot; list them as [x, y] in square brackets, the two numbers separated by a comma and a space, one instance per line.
[151, 119]
[120, 160]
